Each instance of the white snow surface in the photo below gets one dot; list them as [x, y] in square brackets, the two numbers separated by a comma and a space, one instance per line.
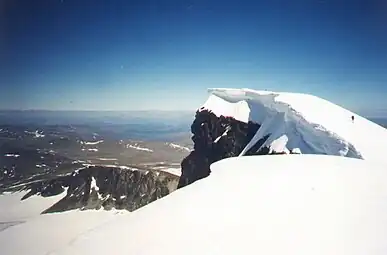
[93, 184]
[12, 208]
[11, 155]
[172, 170]
[177, 146]
[92, 142]
[309, 123]
[45, 234]
[135, 146]
[107, 159]
[224, 134]
[296, 204]
[37, 133]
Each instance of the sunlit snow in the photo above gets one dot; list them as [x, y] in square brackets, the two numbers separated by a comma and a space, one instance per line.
[176, 146]
[294, 204]
[107, 159]
[311, 124]
[11, 155]
[92, 143]
[138, 148]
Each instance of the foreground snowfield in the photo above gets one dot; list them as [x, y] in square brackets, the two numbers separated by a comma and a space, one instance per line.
[306, 122]
[13, 209]
[296, 204]
[23, 230]
[49, 232]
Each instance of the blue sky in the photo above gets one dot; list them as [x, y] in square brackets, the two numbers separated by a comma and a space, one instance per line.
[141, 55]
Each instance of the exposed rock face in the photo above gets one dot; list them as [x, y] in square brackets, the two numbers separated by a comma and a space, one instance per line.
[97, 187]
[215, 138]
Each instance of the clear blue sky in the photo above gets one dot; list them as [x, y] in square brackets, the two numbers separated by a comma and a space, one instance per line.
[161, 54]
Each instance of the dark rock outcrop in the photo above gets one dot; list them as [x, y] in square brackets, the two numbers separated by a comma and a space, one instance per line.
[96, 187]
[215, 138]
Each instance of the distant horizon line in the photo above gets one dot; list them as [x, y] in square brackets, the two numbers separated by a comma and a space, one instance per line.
[367, 113]
[64, 110]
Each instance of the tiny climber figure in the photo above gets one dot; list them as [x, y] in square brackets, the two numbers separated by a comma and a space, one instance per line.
[353, 119]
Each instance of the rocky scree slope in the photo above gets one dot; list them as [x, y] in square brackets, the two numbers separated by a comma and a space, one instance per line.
[97, 187]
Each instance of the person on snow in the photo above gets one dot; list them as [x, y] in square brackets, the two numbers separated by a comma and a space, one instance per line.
[353, 118]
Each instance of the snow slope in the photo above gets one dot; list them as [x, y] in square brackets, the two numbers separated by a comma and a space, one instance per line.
[49, 232]
[298, 204]
[12, 208]
[23, 230]
[302, 122]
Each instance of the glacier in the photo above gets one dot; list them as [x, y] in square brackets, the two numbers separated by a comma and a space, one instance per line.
[301, 122]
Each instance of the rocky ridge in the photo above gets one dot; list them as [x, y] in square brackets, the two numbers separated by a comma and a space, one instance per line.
[98, 187]
[216, 138]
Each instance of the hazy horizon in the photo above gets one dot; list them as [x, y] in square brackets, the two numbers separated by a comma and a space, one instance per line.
[150, 114]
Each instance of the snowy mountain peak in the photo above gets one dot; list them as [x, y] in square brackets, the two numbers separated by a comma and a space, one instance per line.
[303, 123]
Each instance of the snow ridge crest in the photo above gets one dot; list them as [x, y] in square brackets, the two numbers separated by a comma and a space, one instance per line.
[299, 122]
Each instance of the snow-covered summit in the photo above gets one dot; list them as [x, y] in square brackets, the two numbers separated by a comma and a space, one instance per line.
[301, 122]
[330, 205]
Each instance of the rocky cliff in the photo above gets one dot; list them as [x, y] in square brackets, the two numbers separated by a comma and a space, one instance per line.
[215, 138]
[105, 187]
